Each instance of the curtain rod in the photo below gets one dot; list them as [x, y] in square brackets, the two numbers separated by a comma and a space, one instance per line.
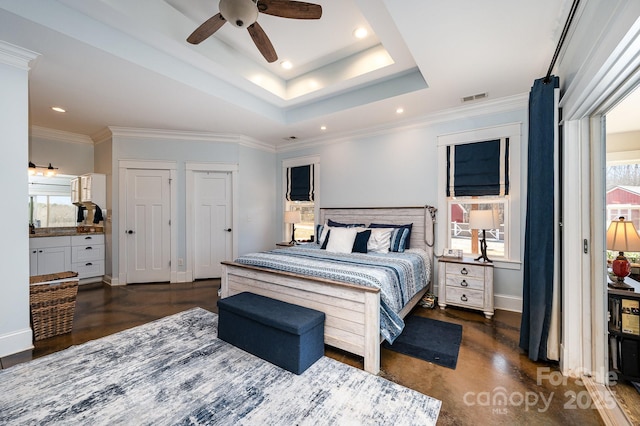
[565, 30]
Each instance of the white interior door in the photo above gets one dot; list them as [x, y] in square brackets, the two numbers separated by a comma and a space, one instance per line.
[148, 225]
[212, 204]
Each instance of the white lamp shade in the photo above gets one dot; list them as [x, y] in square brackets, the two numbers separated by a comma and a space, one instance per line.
[483, 219]
[292, 217]
[622, 236]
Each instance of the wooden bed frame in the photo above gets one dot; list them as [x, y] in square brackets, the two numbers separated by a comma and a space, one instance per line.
[352, 312]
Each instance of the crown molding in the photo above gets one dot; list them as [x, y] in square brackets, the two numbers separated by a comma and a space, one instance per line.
[16, 56]
[59, 135]
[506, 104]
[184, 135]
[101, 136]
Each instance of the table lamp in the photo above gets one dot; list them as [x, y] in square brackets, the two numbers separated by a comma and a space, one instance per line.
[622, 236]
[292, 217]
[483, 219]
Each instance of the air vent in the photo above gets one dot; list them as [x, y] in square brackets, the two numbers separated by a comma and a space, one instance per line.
[475, 97]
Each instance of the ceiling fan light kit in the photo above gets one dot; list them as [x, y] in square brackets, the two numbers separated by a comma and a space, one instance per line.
[240, 13]
[244, 14]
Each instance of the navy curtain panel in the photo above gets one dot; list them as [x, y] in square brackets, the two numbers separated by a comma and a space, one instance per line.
[300, 183]
[539, 234]
[479, 168]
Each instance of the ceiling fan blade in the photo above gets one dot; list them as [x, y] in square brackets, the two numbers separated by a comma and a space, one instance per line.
[207, 29]
[290, 9]
[262, 42]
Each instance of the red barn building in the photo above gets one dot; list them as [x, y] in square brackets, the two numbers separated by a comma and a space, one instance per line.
[624, 201]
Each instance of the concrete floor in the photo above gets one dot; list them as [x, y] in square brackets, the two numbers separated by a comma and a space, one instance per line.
[494, 382]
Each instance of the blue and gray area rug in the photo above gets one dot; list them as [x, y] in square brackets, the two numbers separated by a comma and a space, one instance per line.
[175, 371]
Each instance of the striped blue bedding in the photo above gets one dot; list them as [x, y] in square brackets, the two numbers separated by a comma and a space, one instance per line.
[399, 276]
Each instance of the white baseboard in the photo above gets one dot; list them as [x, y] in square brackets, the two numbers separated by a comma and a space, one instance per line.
[607, 404]
[181, 277]
[18, 341]
[108, 279]
[507, 303]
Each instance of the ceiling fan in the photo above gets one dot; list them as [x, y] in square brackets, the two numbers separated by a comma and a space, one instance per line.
[244, 14]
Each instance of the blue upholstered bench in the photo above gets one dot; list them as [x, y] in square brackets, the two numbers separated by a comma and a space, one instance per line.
[287, 335]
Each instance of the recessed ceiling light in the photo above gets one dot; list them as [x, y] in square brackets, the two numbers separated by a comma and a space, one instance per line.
[360, 33]
[58, 109]
[287, 65]
[323, 127]
[399, 110]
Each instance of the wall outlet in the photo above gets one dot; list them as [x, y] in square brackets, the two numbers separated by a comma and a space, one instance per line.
[180, 261]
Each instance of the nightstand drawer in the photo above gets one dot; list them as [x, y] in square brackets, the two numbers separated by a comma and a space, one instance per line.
[465, 270]
[461, 281]
[465, 297]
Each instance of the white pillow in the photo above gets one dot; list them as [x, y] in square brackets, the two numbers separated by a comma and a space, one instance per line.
[379, 241]
[341, 240]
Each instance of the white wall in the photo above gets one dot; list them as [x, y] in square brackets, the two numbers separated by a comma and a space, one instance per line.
[15, 332]
[398, 167]
[255, 173]
[72, 154]
[258, 202]
[103, 161]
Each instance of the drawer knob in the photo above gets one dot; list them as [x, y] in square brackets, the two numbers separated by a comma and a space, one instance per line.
[464, 271]
[464, 283]
[464, 298]
[88, 264]
[88, 248]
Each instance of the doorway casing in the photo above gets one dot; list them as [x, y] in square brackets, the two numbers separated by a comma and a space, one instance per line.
[585, 104]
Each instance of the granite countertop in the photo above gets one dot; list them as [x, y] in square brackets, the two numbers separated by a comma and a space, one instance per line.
[66, 230]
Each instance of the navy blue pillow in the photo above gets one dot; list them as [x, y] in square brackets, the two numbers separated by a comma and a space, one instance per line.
[360, 243]
[344, 225]
[319, 229]
[326, 240]
[408, 226]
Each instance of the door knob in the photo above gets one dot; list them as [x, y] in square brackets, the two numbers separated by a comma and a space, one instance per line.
[228, 229]
[130, 231]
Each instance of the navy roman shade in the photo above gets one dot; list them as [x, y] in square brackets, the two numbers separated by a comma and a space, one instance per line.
[479, 168]
[300, 183]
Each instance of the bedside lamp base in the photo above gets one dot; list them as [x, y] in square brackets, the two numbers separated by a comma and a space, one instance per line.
[621, 269]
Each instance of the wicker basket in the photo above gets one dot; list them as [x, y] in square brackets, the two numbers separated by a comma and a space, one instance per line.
[53, 304]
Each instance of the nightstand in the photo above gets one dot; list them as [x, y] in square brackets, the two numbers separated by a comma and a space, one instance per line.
[466, 283]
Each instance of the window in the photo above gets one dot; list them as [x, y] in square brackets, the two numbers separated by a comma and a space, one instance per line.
[501, 195]
[304, 229]
[300, 188]
[50, 201]
[463, 238]
[623, 198]
[52, 211]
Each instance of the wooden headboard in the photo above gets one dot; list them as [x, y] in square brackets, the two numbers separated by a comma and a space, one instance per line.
[423, 219]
